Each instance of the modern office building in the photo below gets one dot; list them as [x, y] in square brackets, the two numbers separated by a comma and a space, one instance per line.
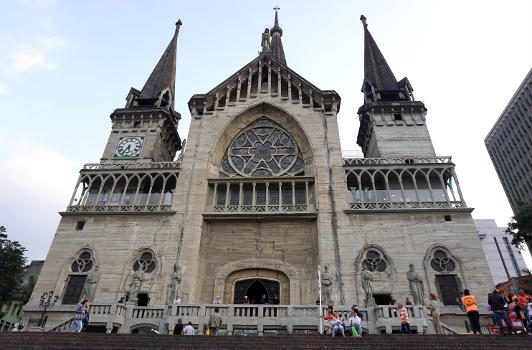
[509, 145]
[504, 260]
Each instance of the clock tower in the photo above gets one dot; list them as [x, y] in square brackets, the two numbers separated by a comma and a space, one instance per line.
[146, 128]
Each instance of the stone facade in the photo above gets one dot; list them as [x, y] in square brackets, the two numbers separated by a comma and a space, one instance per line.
[219, 229]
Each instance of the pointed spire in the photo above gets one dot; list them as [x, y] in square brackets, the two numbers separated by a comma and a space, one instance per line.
[276, 45]
[376, 70]
[163, 75]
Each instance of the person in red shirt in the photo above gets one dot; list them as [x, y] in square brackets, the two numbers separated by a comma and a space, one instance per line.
[522, 301]
[331, 317]
[472, 311]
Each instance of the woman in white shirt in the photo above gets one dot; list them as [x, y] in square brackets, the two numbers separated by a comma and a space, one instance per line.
[354, 322]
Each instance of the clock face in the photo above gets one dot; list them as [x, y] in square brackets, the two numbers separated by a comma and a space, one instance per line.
[129, 147]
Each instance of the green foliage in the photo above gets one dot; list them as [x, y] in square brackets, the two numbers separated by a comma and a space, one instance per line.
[520, 225]
[12, 262]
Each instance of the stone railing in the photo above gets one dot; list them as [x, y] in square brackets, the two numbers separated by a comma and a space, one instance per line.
[408, 205]
[122, 209]
[293, 196]
[396, 161]
[388, 319]
[242, 319]
[132, 165]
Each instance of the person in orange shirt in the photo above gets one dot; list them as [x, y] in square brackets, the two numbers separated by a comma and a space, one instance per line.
[522, 300]
[472, 311]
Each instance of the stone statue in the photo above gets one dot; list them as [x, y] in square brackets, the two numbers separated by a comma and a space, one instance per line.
[172, 286]
[89, 288]
[265, 40]
[366, 278]
[326, 287]
[416, 286]
[134, 285]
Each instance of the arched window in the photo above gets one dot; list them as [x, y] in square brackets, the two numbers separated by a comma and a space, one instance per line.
[145, 262]
[441, 262]
[263, 148]
[81, 266]
[374, 261]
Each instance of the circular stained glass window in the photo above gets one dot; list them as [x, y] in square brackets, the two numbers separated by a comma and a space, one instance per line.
[441, 262]
[374, 262]
[263, 149]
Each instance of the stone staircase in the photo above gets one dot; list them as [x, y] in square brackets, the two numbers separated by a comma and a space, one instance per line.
[94, 341]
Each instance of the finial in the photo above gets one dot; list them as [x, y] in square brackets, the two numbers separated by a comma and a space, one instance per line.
[363, 19]
[178, 25]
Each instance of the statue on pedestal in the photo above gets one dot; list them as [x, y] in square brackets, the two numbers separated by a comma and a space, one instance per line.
[172, 286]
[366, 278]
[416, 286]
[89, 288]
[326, 287]
[135, 284]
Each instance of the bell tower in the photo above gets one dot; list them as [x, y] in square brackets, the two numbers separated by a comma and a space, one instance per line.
[146, 129]
[392, 122]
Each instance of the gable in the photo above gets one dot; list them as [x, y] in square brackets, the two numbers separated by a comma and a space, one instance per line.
[264, 76]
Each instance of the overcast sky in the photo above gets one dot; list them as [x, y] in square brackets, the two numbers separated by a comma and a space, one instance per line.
[66, 65]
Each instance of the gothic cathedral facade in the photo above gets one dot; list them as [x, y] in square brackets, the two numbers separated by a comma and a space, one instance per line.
[260, 198]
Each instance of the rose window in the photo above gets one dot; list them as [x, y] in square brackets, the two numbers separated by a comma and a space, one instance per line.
[83, 263]
[145, 262]
[263, 149]
[374, 261]
[441, 262]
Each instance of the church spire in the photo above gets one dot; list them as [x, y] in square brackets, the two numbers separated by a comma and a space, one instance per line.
[160, 86]
[276, 45]
[377, 73]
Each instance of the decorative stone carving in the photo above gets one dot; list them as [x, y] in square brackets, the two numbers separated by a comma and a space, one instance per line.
[416, 286]
[326, 287]
[265, 40]
[135, 284]
[172, 286]
[366, 278]
[90, 284]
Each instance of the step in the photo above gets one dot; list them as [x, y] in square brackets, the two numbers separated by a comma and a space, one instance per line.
[96, 341]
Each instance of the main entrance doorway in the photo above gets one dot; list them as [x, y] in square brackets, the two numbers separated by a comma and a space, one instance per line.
[254, 288]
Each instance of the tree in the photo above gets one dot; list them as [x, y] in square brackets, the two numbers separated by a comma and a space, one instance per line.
[520, 226]
[12, 262]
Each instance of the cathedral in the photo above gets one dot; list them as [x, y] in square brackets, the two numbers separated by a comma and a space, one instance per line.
[256, 202]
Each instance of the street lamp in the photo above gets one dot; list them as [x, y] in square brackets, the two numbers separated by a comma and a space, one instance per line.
[47, 301]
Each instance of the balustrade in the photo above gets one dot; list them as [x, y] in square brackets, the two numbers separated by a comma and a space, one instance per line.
[402, 183]
[257, 196]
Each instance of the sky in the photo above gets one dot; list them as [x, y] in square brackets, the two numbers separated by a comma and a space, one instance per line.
[66, 65]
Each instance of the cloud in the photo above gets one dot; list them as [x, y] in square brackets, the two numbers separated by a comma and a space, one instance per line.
[2, 88]
[36, 183]
[34, 55]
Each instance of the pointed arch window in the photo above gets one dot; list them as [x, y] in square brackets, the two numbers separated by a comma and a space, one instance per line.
[263, 149]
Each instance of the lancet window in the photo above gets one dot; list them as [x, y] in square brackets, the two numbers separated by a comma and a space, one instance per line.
[79, 270]
[263, 149]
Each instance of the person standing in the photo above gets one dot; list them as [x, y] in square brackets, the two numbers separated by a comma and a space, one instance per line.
[177, 299]
[246, 300]
[472, 311]
[405, 325]
[434, 309]
[262, 299]
[522, 301]
[178, 328]
[497, 302]
[217, 300]
[79, 316]
[189, 330]
[215, 322]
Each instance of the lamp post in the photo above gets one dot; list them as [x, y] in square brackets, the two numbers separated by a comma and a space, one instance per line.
[47, 301]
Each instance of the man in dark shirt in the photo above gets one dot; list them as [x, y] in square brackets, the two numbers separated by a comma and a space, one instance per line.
[496, 302]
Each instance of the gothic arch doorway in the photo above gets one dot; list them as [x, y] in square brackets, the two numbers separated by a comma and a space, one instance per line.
[254, 289]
